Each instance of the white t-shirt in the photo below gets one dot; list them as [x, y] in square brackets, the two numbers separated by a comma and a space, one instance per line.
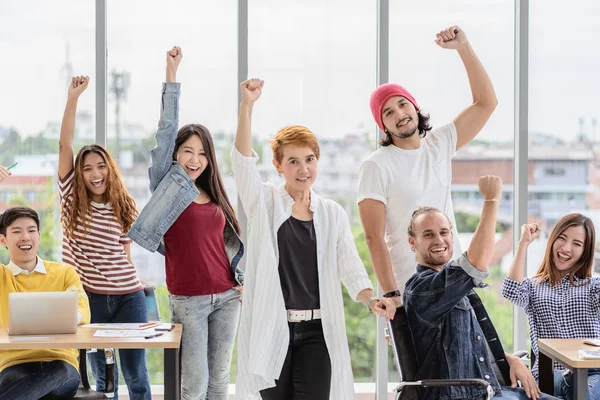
[405, 180]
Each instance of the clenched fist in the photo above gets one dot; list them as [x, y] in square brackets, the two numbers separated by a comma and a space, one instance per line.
[174, 57]
[490, 187]
[452, 38]
[529, 232]
[77, 86]
[251, 90]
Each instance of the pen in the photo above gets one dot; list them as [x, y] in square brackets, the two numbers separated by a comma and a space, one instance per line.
[147, 324]
[12, 166]
[153, 335]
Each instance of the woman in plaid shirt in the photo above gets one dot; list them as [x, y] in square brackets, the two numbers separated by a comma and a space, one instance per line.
[562, 300]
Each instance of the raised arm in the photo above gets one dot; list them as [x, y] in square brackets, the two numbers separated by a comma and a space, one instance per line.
[529, 232]
[162, 154]
[472, 119]
[67, 128]
[251, 91]
[481, 247]
[4, 173]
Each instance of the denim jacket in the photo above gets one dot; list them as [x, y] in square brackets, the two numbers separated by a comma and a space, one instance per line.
[173, 190]
[449, 341]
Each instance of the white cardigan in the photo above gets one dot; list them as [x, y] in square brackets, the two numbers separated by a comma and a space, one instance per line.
[263, 335]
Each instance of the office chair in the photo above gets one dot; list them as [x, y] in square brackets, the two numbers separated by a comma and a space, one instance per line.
[405, 358]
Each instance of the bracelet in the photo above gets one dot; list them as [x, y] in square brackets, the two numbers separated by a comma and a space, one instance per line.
[490, 200]
[371, 299]
[394, 293]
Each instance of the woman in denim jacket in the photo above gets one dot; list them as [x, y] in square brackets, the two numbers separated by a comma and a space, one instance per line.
[189, 220]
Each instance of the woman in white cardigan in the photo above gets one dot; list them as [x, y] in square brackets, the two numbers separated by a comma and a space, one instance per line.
[292, 339]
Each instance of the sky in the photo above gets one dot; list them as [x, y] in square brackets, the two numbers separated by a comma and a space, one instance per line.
[317, 58]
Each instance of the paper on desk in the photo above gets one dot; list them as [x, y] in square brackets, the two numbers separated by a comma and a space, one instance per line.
[123, 333]
[127, 326]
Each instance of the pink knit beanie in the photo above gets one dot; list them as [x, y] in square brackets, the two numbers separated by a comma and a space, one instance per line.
[383, 94]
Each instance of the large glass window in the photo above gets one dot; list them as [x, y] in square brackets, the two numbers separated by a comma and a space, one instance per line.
[317, 59]
[139, 35]
[44, 44]
[437, 79]
[563, 98]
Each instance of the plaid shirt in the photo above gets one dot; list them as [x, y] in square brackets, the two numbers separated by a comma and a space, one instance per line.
[564, 311]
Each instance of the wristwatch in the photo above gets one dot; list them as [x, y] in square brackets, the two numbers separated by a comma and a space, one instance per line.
[371, 299]
[393, 294]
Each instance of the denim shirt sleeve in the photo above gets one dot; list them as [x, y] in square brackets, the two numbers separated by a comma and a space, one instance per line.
[434, 294]
[162, 153]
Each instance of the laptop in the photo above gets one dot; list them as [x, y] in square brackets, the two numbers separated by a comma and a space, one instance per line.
[44, 313]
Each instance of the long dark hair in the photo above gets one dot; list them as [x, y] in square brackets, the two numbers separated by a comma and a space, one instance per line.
[210, 180]
[116, 194]
[583, 267]
[423, 128]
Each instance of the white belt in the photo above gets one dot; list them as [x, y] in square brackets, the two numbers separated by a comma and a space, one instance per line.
[303, 315]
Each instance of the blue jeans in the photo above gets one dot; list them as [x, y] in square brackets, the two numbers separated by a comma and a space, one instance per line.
[518, 393]
[36, 380]
[121, 309]
[209, 326]
[563, 384]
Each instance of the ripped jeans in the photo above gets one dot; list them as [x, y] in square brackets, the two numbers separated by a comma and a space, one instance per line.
[209, 326]
[563, 384]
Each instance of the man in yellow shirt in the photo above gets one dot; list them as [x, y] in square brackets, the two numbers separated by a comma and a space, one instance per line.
[35, 373]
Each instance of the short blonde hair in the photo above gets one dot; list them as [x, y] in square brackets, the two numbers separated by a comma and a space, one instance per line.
[295, 135]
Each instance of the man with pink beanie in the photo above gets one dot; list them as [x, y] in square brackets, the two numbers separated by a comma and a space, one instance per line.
[412, 168]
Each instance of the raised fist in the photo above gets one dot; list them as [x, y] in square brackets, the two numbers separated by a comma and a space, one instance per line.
[174, 57]
[78, 85]
[251, 90]
[451, 38]
[490, 187]
[529, 232]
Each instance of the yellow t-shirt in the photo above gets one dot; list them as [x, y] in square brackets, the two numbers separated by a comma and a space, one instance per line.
[58, 278]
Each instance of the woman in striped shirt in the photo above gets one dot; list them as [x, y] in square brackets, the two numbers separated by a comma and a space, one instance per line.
[292, 341]
[96, 213]
[562, 300]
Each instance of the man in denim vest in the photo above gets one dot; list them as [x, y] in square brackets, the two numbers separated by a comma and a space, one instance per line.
[449, 341]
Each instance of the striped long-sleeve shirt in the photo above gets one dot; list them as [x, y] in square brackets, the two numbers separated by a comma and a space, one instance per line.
[98, 255]
[263, 336]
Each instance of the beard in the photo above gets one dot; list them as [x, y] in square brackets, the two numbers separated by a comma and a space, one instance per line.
[404, 135]
[434, 262]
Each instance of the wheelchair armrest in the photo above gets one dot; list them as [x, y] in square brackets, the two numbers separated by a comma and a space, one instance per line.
[453, 382]
[450, 382]
[521, 354]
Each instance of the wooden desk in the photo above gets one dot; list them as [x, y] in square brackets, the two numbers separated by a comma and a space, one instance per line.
[84, 339]
[565, 351]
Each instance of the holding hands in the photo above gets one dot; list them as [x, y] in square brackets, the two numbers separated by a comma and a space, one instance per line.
[174, 57]
[490, 187]
[251, 90]
[452, 38]
[77, 86]
[384, 307]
